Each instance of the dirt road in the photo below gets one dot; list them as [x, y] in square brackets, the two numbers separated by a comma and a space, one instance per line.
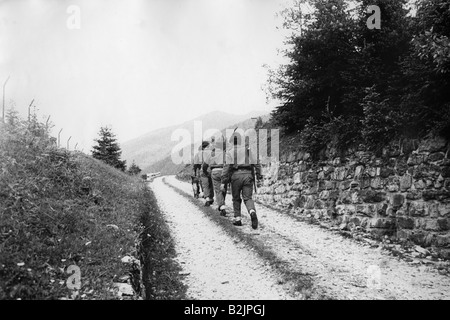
[219, 266]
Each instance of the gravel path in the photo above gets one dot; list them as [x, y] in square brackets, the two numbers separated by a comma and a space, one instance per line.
[341, 268]
[215, 265]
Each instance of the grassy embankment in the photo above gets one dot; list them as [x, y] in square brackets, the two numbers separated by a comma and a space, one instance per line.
[61, 208]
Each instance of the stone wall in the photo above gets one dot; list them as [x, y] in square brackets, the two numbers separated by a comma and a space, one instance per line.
[403, 193]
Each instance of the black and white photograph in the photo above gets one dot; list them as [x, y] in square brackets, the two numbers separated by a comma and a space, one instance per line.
[230, 156]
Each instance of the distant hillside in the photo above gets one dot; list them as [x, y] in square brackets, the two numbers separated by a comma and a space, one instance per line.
[166, 165]
[156, 145]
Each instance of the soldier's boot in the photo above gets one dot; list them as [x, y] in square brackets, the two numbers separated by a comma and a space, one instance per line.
[254, 219]
[222, 211]
[209, 202]
[237, 222]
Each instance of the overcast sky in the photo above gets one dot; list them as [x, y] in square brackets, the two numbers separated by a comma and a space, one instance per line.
[136, 65]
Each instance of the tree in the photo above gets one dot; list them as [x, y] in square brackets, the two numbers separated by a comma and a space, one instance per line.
[134, 169]
[317, 77]
[108, 150]
[343, 76]
[426, 98]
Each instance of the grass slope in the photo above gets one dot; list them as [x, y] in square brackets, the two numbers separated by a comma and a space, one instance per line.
[61, 208]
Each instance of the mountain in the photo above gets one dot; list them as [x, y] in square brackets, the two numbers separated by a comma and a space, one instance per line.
[166, 165]
[156, 145]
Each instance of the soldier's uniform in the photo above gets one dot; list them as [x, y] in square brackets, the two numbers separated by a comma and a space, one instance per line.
[214, 162]
[240, 164]
[205, 178]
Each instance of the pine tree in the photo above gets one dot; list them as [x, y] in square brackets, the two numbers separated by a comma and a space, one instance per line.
[108, 150]
[134, 169]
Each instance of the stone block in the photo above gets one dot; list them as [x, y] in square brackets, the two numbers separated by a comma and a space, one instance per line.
[310, 190]
[287, 202]
[436, 156]
[386, 172]
[345, 210]
[443, 240]
[292, 156]
[376, 183]
[445, 172]
[382, 223]
[382, 209]
[433, 209]
[340, 173]
[364, 209]
[401, 166]
[309, 203]
[345, 197]
[431, 224]
[372, 196]
[321, 185]
[444, 209]
[364, 183]
[405, 182]
[417, 209]
[344, 185]
[379, 233]
[330, 185]
[414, 195]
[435, 194]
[415, 159]
[321, 175]
[443, 224]
[324, 195]
[432, 145]
[358, 171]
[396, 200]
[302, 167]
[334, 195]
[319, 204]
[418, 237]
[419, 184]
[293, 194]
[403, 234]
[405, 222]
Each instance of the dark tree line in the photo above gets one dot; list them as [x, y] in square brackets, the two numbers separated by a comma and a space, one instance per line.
[350, 84]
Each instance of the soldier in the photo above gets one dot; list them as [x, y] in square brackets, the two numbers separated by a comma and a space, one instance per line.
[239, 169]
[214, 161]
[205, 178]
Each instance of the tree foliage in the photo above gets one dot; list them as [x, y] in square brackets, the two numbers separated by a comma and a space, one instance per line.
[365, 85]
[107, 149]
[134, 169]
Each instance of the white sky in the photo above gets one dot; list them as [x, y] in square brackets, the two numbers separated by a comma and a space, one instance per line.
[136, 65]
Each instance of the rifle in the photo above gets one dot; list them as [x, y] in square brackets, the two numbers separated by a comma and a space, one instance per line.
[254, 178]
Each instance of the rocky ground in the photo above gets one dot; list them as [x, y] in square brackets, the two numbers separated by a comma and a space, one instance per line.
[217, 266]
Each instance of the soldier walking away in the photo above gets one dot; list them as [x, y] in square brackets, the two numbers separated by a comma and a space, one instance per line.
[214, 162]
[205, 178]
[240, 169]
